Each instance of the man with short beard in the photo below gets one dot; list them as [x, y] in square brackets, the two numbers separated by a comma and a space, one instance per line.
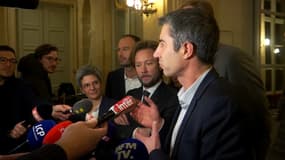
[150, 75]
[123, 79]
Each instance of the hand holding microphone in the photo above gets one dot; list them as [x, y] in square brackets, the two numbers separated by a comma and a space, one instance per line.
[89, 138]
[124, 105]
[61, 111]
[18, 130]
[122, 120]
[36, 135]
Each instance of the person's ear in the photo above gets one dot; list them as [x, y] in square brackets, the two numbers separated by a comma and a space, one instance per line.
[188, 50]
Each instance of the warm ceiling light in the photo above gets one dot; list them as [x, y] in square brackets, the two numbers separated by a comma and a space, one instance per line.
[145, 6]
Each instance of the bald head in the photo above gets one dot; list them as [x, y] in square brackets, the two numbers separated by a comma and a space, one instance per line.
[204, 6]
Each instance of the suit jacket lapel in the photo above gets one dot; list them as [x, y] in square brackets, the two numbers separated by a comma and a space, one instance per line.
[158, 93]
[122, 81]
[210, 77]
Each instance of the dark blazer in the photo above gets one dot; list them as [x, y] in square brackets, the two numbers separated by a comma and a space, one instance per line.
[213, 126]
[165, 97]
[105, 149]
[106, 103]
[17, 101]
[240, 69]
[115, 85]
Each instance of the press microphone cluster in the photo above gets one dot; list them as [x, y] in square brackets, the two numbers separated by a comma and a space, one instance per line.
[122, 106]
[48, 132]
[45, 131]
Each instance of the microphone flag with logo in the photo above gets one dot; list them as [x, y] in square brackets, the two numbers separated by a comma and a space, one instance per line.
[131, 149]
[36, 135]
[123, 106]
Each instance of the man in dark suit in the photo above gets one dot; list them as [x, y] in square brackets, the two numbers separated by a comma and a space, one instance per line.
[150, 75]
[240, 69]
[123, 79]
[214, 120]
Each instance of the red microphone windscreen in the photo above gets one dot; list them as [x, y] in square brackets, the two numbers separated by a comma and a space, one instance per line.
[55, 133]
[124, 104]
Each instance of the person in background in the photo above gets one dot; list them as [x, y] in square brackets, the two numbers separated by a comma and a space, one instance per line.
[214, 120]
[150, 75]
[123, 79]
[34, 69]
[240, 69]
[17, 101]
[89, 79]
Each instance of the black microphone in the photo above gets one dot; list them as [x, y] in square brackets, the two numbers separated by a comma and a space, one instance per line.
[82, 106]
[27, 4]
[79, 110]
[124, 105]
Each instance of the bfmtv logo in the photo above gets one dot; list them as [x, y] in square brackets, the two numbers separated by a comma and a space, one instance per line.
[131, 149]
[124, 150]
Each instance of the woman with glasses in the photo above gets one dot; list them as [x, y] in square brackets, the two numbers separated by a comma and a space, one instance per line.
[89, 80]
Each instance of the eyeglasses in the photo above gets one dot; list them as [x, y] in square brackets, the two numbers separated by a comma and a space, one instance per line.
[4, 60]
[89, 85]
[52, 59]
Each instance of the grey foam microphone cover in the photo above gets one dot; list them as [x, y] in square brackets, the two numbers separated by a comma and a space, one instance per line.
[82, 107]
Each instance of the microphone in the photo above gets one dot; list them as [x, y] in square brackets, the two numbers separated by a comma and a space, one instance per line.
[36, 135]
[55, 133]
[123, 106]
[131, 149]
[82, 106]
[27, 4]
[79, 110]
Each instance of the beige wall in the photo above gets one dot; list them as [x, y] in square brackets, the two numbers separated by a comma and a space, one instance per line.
[3, 38]
[7, 26]
[92, 33]
[235, 18]
[151, 29]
